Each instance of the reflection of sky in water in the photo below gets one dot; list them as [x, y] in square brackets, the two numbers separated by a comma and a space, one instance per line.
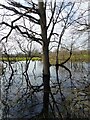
[22, 102]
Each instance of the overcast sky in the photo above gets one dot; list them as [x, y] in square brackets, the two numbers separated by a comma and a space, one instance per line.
[67, 36]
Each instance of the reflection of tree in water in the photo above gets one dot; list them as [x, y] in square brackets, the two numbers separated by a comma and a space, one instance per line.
[23, 94]
[69, 95]
[19, 95]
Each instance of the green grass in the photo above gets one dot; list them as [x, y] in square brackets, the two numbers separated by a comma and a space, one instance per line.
[20, 59]
[36, 59]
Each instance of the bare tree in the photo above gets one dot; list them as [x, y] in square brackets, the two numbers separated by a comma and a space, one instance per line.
[38, 22]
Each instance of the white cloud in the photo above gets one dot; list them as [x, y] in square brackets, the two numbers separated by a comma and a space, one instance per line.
[2, 1]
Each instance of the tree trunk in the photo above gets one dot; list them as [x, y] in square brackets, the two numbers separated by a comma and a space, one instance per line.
[46, 80]
[46, 71]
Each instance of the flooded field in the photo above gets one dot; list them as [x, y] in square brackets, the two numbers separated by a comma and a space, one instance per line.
[22, 90]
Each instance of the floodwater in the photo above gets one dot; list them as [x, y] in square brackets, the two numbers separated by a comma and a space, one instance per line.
[22, 90]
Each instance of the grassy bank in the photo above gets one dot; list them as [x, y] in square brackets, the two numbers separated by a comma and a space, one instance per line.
[76, 57]
[20, 59]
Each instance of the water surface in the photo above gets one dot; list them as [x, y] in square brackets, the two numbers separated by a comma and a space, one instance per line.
[71, 93]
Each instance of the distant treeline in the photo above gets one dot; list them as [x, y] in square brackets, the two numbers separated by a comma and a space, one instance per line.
[39, 54]
[33, 54]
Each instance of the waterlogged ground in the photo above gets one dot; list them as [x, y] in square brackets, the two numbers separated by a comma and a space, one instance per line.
[22, 90]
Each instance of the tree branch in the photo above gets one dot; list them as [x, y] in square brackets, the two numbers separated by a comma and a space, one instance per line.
[23, 33]
[33, 19]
